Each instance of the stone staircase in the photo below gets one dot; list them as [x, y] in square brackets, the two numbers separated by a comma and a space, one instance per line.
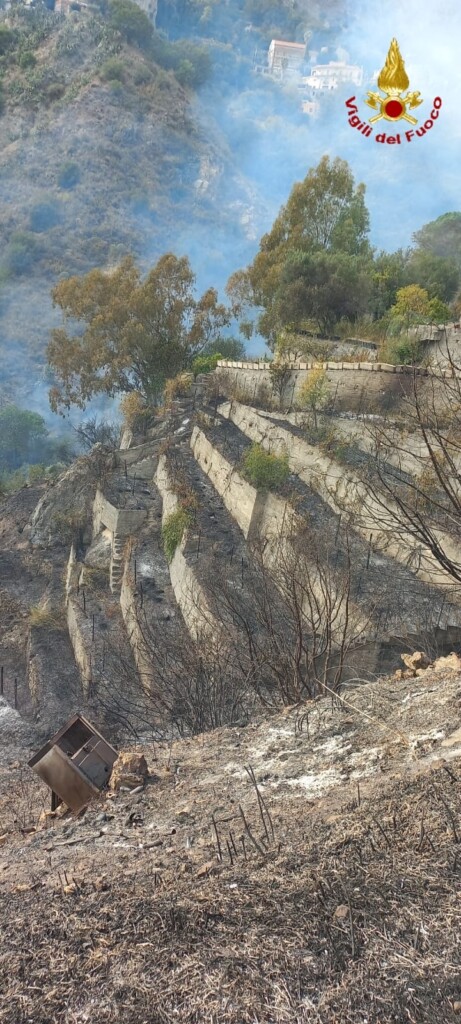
[145, 468]
[205, 385]
[117, 564]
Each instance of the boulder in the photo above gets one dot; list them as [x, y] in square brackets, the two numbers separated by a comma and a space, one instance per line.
[452, 663]
[64, 512]
[416, 660]
[129, 771]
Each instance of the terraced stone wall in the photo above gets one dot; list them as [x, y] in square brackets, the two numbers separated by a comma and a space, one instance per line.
[354, 387]
[187, 589]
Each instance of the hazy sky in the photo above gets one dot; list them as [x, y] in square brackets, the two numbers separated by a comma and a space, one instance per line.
[415, 182]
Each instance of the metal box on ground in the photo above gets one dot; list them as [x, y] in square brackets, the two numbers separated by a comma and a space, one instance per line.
[76, 763]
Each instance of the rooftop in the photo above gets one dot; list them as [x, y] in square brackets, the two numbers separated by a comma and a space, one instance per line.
[283, 42]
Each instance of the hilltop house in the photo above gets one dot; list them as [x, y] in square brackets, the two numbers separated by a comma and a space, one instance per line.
[285, 58]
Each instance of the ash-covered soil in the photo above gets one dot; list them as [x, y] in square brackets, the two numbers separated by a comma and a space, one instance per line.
[328, 892]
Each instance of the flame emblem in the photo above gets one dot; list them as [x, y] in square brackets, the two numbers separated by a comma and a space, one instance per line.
[393, 80]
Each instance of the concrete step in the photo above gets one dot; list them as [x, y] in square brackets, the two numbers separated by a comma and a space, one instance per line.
[144, 469]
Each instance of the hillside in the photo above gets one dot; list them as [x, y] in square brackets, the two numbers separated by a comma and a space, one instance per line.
[101, 154]
[253, 586]
[334, 900]
[215, 625]
[139, 570]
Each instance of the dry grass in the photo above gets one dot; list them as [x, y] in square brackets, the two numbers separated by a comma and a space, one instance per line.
[96, 579]
[47, 618]
[350, 919]
[347, 913]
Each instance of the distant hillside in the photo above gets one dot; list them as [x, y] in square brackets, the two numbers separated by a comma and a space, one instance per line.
[100, 155]
[117, 138]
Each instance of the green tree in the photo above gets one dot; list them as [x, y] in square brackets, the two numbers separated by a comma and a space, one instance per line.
[439, 312]
[442, 237]
[321, 286]
[21, 253]
[44, 215]
[411, 306]
[69, 175]
[439, 276]
[131, 334]
[325, 217]
[132, 23]
[205, 364]
[388, 276]
[228, 348]
[21, 434]
[325, 211]
[7, 38]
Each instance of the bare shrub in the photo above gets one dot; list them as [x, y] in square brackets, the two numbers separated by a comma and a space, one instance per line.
[188, 685]
[414, 477]
[293, 634]
[280, 376]
[93, 431]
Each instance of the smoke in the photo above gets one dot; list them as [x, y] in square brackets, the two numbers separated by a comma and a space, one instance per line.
[252, 143]
[417, 181]
[273, 145]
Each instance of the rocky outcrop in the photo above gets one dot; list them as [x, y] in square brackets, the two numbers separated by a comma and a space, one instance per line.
[129, 771]
[63, 514]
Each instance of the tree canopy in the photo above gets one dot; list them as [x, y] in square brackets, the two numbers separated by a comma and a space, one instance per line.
[22, 434]
[325, 211]
[440, 276]
[123, 333]
[316, 268]
[323, 286]
[316, 250]
[442, 237]
[414, 306]
[132, 22]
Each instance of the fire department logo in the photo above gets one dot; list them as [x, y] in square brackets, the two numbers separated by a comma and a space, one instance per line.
[393, 106]
[393, 80]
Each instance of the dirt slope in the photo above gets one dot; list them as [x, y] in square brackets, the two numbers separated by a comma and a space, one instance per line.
[339, 906]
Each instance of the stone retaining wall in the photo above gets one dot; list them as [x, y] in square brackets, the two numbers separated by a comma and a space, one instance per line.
[341, 489]
[353, 387]
[260, 515]
[188, 591]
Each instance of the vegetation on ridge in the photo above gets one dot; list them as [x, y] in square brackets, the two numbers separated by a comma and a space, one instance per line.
[28, 453]
[315, 268]
[136, 333]
[173, 530]
[265, 470]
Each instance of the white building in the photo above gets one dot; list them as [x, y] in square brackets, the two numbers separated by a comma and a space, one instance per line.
[285, 59]
[326, 77]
